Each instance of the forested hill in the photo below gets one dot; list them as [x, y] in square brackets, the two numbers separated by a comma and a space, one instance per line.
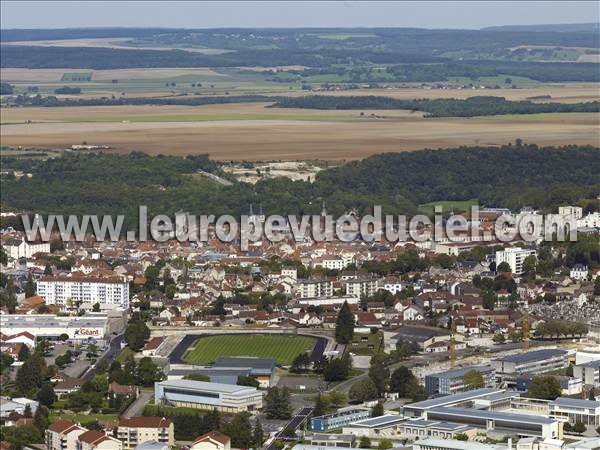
[511, 176]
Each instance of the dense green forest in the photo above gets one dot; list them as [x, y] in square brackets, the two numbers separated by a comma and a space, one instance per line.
[473, 106]
[510, 176]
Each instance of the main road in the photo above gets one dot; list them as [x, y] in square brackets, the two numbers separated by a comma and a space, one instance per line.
[295, 422]
[113, 350]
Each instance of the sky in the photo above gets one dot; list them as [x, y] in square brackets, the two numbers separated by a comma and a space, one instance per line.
[195, 14]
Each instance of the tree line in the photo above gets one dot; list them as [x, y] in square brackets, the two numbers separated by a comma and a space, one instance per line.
[473, 106]
[510, 176]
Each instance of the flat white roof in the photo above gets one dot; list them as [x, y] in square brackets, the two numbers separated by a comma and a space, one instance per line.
[455, 398]
[388, 419]
[457, 445]
[206, 386]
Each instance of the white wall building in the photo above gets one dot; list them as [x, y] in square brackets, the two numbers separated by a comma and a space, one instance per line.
[572, 211]
[315, 288]
[592, 220]
[329, 301]
[205, 395]
[579, 272]
[514, 257]
[110, 292]
[575, 410]
[361, 288]
[391, 284]
[290, 273]
[52, 326]
[20, 248]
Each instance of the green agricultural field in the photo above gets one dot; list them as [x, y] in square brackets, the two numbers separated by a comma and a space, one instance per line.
[283, 348]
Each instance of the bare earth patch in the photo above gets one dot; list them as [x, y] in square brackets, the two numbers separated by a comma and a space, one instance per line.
[118, 43]
[325, 135]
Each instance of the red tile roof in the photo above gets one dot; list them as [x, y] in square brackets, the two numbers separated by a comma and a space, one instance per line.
[145, 422]
[92, 437]
[213, 435]
[154, 343]
[61, 426]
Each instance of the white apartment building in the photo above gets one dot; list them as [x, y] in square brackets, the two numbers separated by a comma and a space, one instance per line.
[289, 273]
[592, 220]
[97, 440]
[391, 284]
[135, 430]
[361, 288]
[329, 262]
[314, 288]
[62, 435]
[571, 211]
[579, 272]
[108, 292]
[514, 257]
[20, 248]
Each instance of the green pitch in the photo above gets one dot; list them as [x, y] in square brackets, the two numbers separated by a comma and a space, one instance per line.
[283, 348]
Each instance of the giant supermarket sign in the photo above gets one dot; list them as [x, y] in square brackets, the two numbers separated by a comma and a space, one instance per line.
[84, 332]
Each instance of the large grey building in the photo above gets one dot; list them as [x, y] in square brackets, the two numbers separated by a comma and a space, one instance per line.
[532, 363]
[204, 395]
[452, 381]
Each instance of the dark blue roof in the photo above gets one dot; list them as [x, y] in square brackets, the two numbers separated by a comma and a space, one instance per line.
[535, 355]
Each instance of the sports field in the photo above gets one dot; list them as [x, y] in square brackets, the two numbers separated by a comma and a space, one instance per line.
[283, 348]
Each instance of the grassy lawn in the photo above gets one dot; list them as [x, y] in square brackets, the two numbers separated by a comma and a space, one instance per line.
[81, 418]
[450, 205]
[366, 344]
[124, 355]
[283, 348]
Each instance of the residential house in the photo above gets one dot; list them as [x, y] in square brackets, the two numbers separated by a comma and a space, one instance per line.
[97, 440]
[154, 346]
[63, 434]
[212, 440]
